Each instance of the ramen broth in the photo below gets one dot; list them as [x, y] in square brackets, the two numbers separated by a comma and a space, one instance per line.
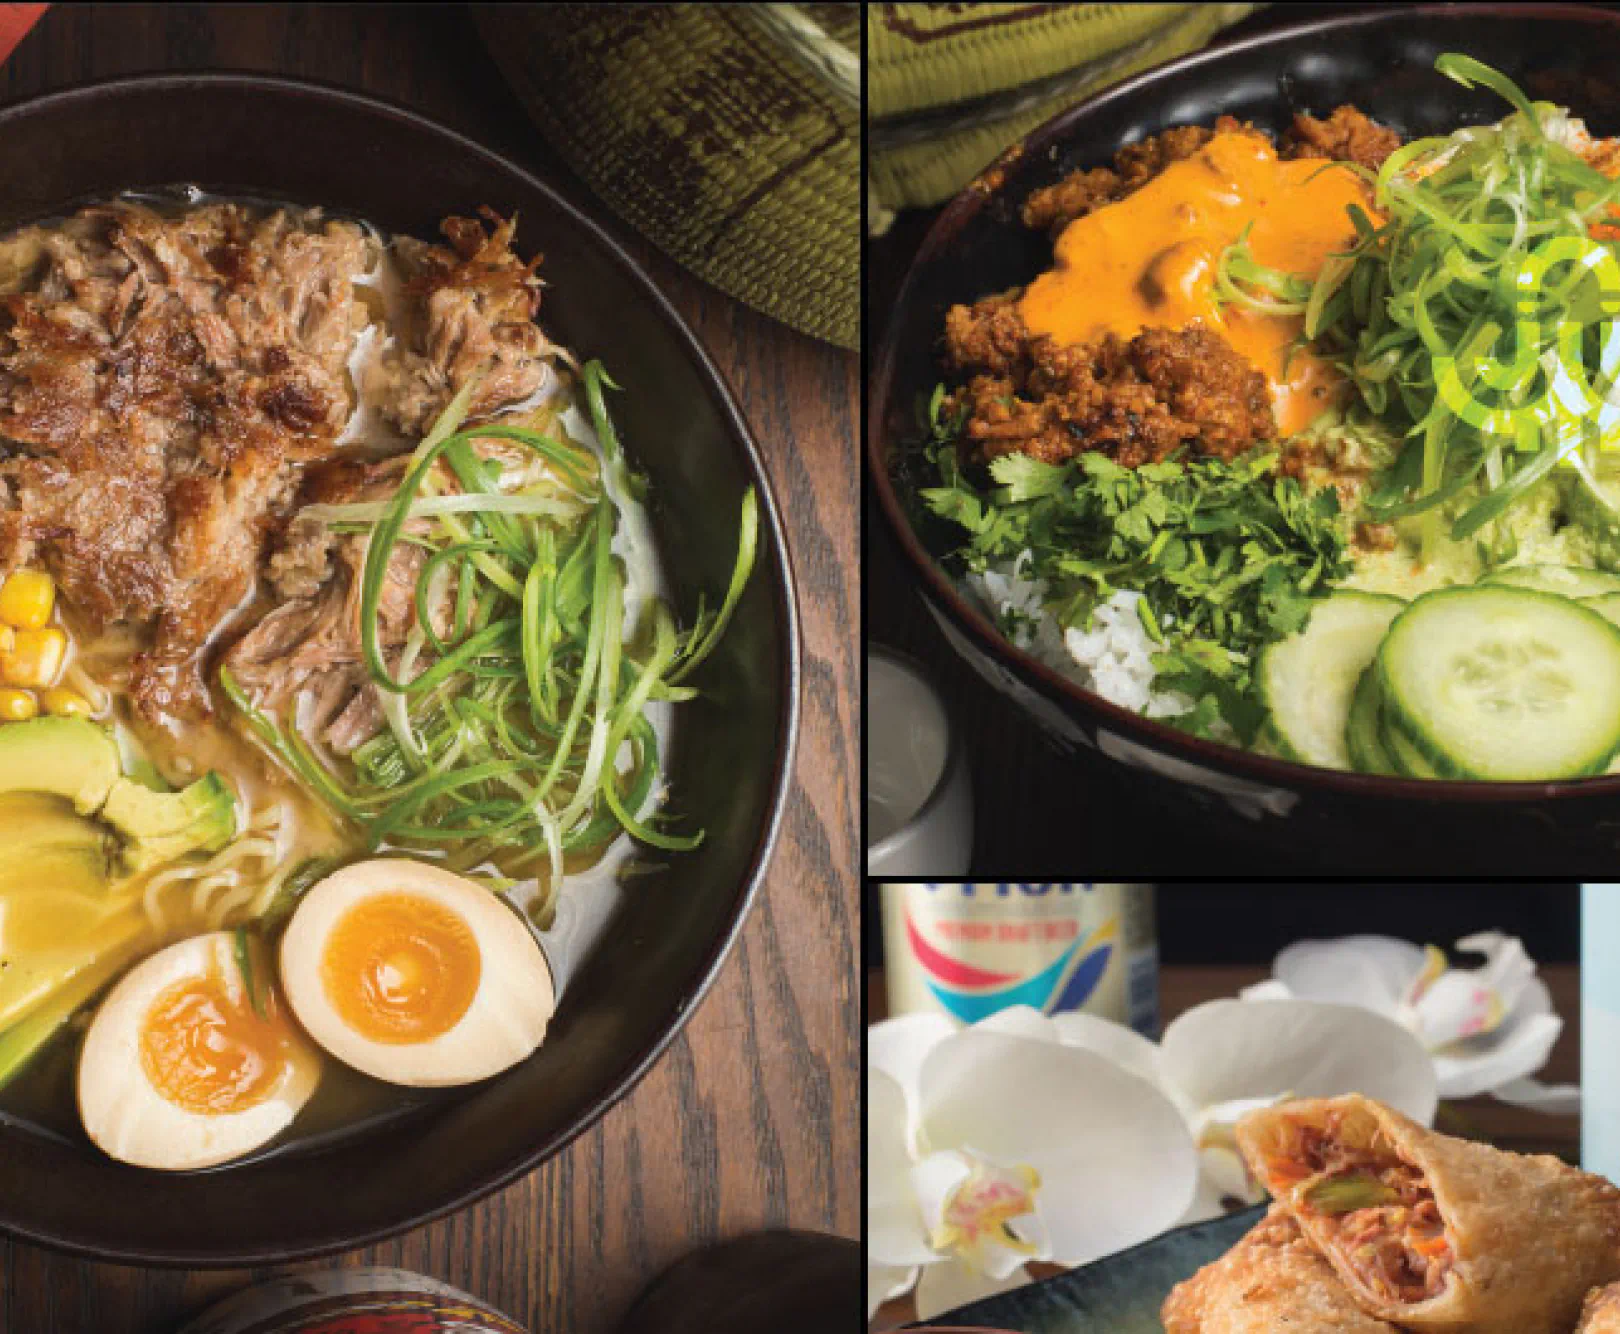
[271, 803]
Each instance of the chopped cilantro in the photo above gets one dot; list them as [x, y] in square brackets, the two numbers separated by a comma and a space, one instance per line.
[1228, 555]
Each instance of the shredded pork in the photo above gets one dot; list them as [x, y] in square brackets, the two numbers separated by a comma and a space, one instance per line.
[311, 640]
[166, 378]
[1397, 1248]
[473, 310]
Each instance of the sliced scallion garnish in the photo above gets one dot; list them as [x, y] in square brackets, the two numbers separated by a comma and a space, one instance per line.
[516, 708]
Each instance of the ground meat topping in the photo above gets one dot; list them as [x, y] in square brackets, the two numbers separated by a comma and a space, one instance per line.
[1348, 135]
[1135, 400]
[1056, 206]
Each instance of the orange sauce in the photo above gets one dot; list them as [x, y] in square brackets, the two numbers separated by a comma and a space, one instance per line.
[400, 968]
[1149, 260]
[1603, 156]
[207, 1051]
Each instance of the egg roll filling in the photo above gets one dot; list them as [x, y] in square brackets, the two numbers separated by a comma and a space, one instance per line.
[1373, 1208]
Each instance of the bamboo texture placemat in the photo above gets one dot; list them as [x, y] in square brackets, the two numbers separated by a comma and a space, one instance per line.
[951, 86]
[728, 135]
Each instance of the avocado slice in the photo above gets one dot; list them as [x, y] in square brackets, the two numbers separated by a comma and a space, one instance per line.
[63, 757]
[160, 826]
[1592, 514]
[43, 842]
[76, 759]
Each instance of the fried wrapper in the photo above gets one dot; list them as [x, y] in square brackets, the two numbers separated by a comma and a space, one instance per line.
[1518, 1243]
[1271, 1282]
[1601, 1314]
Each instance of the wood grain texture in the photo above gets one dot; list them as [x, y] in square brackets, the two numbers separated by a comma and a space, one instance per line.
[751, 1119]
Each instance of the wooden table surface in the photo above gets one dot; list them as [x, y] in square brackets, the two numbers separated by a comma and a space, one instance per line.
[751, 1120]
[1183, 987]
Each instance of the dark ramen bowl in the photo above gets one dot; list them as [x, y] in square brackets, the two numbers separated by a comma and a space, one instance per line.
[731, 758]
[1382, 61]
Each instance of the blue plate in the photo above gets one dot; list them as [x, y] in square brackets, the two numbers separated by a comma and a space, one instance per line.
[1119, 1295]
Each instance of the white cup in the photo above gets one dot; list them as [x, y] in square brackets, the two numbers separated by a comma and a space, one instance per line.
[919, 806]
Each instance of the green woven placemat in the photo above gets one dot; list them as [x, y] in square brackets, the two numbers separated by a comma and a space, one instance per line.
[728, 135]
[951, 86]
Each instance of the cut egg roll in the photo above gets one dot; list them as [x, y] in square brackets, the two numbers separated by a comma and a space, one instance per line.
[1271, 1282]
[1601, 1314]
[1431, 1232]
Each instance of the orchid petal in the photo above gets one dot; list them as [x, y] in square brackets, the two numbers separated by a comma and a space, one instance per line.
[1551, 1099]
[1270, 989]
[1508, 969]
[1435, 966]
[1208, 1202]
[1225, 1171]
[1215, 1133]
[1453, 1008]
[1216, 1125]
[1462, 1003]
[1230, 1049]
[1534, 999]
[1479, 1065]
[1373, 972]
[1116, 1163]
[886, 1282]
[932, 1181]
[1125, 1047]
[1020, 1021]
[894, 1226]
[980, 1211]
[899, 1046]
[944, 1287]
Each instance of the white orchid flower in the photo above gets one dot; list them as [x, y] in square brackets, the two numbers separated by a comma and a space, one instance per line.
[1125, 1138]
[992, 1146]
[1223, 1059]
[1487, 1029]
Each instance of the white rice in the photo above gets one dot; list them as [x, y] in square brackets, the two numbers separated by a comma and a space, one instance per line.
[1113, 657]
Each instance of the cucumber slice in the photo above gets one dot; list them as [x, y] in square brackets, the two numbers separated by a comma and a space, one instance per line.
[1373, 748]
[1572, 581]
[1502, 683]
[1362, 733]
[1405, 758]
[1607, 606]
[1308, 679]
[1266, 742]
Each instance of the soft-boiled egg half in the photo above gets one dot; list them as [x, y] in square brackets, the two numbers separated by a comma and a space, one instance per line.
[189, 1063]
[415, 975]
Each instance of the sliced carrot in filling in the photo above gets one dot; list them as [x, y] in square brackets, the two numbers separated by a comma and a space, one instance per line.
[1378, 1213]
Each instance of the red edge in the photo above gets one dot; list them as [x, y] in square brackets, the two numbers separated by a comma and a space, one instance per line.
[15, 21]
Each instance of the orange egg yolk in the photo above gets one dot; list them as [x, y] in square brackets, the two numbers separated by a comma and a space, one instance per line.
[401, 968]
[204, 1048]
[1149, 260]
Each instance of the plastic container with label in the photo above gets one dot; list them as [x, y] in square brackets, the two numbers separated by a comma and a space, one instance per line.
[968, 949]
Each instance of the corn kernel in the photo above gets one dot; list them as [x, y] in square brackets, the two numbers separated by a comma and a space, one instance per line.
[17, 706]
[8, 637]
[65, 703]
[34, 659]
[26, 599]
